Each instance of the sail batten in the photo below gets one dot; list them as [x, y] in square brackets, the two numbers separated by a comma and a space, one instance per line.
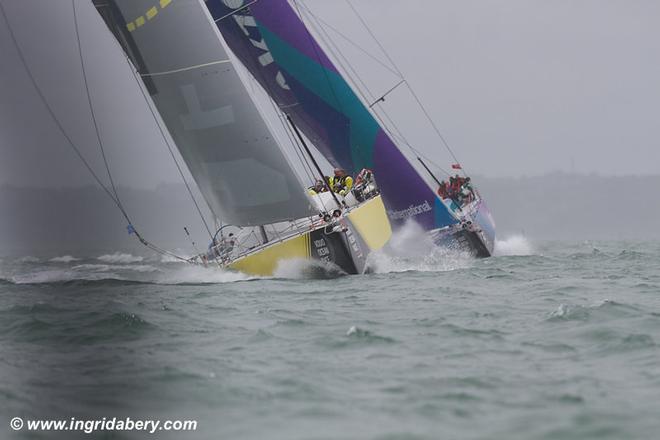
[215, 123]
[183, 69]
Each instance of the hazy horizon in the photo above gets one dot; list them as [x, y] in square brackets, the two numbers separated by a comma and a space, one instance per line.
[517, 88]
[554, 207]
[521, 90]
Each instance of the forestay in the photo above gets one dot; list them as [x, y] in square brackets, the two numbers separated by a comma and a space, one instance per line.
[277, 48]
[230, 151]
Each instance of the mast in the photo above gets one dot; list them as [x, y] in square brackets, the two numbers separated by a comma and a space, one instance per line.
[313, 159]
[228, 146]
[274, 44]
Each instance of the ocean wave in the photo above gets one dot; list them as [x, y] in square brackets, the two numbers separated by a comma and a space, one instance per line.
[300, 268]
[361, 334]
[602, 310]
[111, 267]
[55, 276]
[189, 274]
[64, 259]
[171, 259]
[119, 257]
[95, 273]
[437, 260]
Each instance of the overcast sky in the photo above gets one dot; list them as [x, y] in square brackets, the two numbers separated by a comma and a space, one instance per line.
[517, 87]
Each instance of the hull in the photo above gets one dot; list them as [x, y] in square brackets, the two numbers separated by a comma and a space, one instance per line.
[475, 234]
[361, 230]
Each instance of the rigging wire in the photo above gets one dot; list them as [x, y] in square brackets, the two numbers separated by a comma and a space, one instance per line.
[92, 112]
[334, 50]
[352, 73]
[410, 88]
[357, 151]
[73, 146]
[348, 68]
[137, 76]
[169, 148]
[345, 64]
[49, 108]
[280, 110]
[350, 41]
[100, 141]
[318, 59]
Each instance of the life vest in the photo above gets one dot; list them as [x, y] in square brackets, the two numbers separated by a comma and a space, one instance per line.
[341, 183]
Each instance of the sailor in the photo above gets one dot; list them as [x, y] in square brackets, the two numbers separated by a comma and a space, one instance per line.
[365, 185]
[443, 190]
[467, 192]
[454, 189]
[318, 188]
[456, 183]
[226, 246]
[365, 176]
[341, 183]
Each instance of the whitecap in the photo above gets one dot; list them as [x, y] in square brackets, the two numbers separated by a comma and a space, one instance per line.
[412, 249]
[301, 268]
[512, 246]
[59, 276]
[63, 259]
[119, 257]
[111, 267]
[166, 258]
[190, 274]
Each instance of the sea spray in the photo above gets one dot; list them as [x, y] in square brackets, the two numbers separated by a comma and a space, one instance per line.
[412, 249]
[441, 354]
[514, 245]
[63, 259]
[119, 257]
[194, 274]
[299, 268]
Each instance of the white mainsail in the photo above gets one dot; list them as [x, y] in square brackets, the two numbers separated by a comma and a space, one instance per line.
[233, 156]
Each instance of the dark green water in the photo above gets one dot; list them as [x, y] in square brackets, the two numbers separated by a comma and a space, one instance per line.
[557, 343]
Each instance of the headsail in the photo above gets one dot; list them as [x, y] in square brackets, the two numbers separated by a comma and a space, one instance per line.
[277, 48]
[225, 142]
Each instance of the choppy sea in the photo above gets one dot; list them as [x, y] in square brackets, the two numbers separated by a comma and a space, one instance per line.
[546, 340]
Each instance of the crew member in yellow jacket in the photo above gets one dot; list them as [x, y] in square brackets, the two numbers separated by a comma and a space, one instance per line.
[341, 183]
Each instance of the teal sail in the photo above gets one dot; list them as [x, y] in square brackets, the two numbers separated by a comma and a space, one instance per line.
[273, 43]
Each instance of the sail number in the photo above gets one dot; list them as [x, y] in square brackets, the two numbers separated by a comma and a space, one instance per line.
[245, 21]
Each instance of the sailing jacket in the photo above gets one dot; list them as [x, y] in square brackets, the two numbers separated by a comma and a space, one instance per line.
[341, 185]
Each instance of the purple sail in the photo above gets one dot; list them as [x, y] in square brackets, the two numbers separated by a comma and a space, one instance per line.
[270, 39]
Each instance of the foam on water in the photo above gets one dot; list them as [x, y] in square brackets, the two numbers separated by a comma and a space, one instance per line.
[118, 266]
[514, 245]
[119, 257]
[411, 249]
[63, 259]
[553, 350]
[110, 267]
[60, 276]
[299, 268]
[171, 259]
[189, 274]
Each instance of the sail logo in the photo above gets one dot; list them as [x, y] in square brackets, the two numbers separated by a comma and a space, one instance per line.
[412, 211]
[245, 21]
